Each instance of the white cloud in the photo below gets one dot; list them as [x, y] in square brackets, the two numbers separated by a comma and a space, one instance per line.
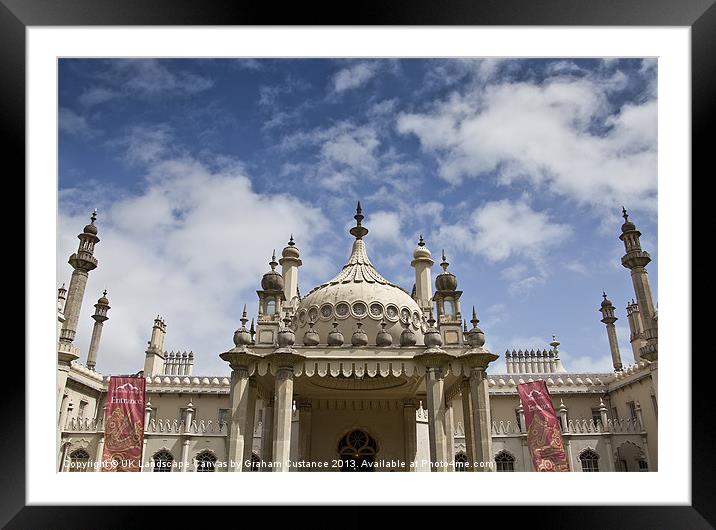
[191, 246]
[143, 78]
[561, 133]
[354, 76]
[384, 227]
[584, 364]
[74, 124]
[508, 230]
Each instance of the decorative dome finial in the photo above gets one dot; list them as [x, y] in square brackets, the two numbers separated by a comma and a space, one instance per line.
[290, 241]
[358, 231]
[94, 216]
[474, 321]
[625, 215]
[444, 263]
[243, 318]
[421, 241]
[273, 261]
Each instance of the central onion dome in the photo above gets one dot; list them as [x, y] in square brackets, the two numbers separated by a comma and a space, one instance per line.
[360, 294]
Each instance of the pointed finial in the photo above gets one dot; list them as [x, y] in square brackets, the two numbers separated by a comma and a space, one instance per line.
[474, 319]
[421, 241]
[273, 262]
[251, 329]
[103, 294]
[286, 319]
[94, 216]
[444, 263]
[243, 318]
[604, 294]
[431, 319]
[464, 326]
[358, 231]
[290, 242]
[625, 215]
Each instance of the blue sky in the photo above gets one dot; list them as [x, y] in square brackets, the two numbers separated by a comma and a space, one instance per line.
[199, 168]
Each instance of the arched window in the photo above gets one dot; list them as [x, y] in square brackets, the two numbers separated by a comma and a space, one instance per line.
[357, 450]
[163, 461]
[449, 307]
[460, 461]
[270, 307]
[589, 460]
[504, 461]
[205, 462]
[79, 460]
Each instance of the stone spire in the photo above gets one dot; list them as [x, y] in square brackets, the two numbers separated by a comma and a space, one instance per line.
[358, 231]
[242, 336]
[475, 337]
[82, 261]
[608, 318]
[635, 259]
[100, 316]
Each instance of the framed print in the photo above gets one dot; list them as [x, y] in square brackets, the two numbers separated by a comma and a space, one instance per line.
[436, 242]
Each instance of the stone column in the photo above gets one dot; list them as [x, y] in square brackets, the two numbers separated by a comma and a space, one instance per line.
[239, 435]
[100, 451]
[283, 400]
[480, 400]
[434, 380]
[467, 423]
[75, 294]
[450, 431]
[409, 434]
[610, 452]
[304, 431]
[185, 455]
[250, 419]
[267, 433]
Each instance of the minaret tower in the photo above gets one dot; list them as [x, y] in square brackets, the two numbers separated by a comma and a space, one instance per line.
[636, 261]
[271, 299]
[155, 354]
[608, 319]
[61, 299]
[290, 262]
[422, 263]
[82, 262]
[447, 301]
[100, 315]
[636, 335]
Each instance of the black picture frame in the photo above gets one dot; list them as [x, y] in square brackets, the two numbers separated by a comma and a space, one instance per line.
[699, 15]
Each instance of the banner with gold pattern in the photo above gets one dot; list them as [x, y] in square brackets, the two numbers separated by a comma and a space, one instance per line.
[544, 433]
[124, 424]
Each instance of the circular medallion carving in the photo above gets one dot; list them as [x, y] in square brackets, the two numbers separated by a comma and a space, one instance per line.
[391, 313]
[326, 311]
[376, 310]
[360, 310]
[342, 309]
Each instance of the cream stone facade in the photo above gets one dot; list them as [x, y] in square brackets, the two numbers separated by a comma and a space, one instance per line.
[360, 375]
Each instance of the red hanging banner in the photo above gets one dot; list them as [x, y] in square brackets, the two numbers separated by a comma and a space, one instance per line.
[124, 424]
[544, 434]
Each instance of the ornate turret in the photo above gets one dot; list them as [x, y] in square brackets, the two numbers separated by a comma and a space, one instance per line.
[608, 318]
[422, 263]
[100, 316]
[447, 301]
[290, 262]
[635, 259]
[155, 354]
[82, 261]
[271, 299]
